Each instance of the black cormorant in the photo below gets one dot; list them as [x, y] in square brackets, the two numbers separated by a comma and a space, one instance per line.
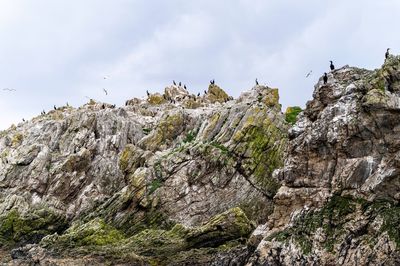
[184, 86]
[174, 82]
[325, 78]
[148, 94]
[198, 94]
[256, 82]
[55, 108]
[332, 66]
[387, 53]
[180, 83]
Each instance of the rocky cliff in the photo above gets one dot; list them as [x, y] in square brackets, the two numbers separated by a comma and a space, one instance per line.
[339, 199]
[174, 178]
[180, 179]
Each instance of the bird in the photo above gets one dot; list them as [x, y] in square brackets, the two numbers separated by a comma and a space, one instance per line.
[67, 104]
[105, 91]
[256, 82]
[180, 83]
[55, 108]
[205, 92]
[212, 82]
[105, 77]
[325, 78]
[174, 82]
[184, 86]
[332, 66]
[387, 53]
[7, 89]
[148, 94]
[103, 106]
[198, 94]
[309, 74]
[23, 120]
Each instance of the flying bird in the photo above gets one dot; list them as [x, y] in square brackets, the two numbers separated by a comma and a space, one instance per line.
[309, 74]
[105, 91]
[8, 89]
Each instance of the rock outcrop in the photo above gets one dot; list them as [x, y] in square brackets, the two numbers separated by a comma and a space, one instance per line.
[339, 199]
[165, 179]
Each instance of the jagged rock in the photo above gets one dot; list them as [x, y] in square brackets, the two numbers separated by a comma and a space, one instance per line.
[146, 166]
[339, 199]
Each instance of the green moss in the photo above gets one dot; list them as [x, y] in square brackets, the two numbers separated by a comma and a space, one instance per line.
[190, 136]
[291, 114]
[17, 139]
[156, 99]
[29, 228]
[154, 185]
[93, 233]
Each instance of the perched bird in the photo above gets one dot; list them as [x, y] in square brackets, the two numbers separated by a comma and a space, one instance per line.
[212, 82]
[205, 92]
[174, 82]
[148, 94]
[387, 53]
[198, 94]
[103, 106]
[309, 74]
[180, 83]
[105, 91]
[55, 108]
[332, 66]
[325, 78]
[23, 120]
[256, 82]
[113, 106]
[184, 86]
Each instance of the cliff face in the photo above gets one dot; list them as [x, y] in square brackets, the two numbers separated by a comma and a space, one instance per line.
[339, 202]
[179, 179]
[169, 179]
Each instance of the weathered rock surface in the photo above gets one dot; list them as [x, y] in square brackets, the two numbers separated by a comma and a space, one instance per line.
[339, 202]
[173, 173]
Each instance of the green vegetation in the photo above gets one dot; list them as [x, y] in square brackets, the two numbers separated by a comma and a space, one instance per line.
[30, 228]
[291, 114]
[332, 218]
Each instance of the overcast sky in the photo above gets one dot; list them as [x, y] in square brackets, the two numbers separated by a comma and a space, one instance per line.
[58, 51]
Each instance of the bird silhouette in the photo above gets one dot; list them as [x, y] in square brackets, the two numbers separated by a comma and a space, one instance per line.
[8, 89]
[309, 74]
[332, 66]
[105, 91]
[387, 53]
[256, 82]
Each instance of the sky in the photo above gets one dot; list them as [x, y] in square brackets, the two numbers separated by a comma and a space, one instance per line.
[57, 51]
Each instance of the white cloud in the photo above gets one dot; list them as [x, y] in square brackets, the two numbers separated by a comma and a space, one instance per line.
[54, 52]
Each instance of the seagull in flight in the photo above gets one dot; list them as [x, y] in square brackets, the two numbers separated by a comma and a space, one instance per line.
[105, 91]
[309, 74]
[7, 89]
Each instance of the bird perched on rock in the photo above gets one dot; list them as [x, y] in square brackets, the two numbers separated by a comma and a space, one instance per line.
[332, 66]
[23, 120]
[387, 53]
[174, 82]
[55, 108]
[148, 93]
[103, 106]
[256, 82]
[180, 83]
[212, 82]
[184, 86]
[205, 92]
[198, 94]
[325, 78]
